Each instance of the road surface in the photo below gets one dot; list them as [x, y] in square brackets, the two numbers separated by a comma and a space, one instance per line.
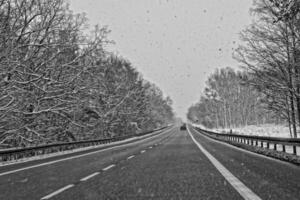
[172, 165]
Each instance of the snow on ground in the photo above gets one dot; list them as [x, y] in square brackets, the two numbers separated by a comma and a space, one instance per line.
[199, 126]
[268, 130]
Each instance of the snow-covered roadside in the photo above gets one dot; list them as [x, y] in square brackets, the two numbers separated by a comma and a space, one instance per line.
[268, 130]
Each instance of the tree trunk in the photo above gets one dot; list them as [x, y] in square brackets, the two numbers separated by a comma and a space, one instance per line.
[289, 117]
[296, 71]
[225, 118]
[217, 119]
[293, 116]
[291, 71]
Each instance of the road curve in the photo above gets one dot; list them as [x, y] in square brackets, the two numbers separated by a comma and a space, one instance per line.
[36, 179]
[171, 165]
[174, 169]
[267, 177]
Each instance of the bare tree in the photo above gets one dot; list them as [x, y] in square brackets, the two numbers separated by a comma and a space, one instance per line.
[229, 102]
[270, 55]
[60, 84]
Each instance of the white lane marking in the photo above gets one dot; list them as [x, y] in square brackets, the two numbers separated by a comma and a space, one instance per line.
[242, 189]
[89, 176]
[108, 167]
[81, 155]
[130, 157]
[246, 151]
[57, 192]
[150, 147]
[66, 152]
[143, 151]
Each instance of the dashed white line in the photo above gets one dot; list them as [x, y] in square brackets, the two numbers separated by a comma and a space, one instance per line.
[89, 176]
[82, 155]
[130, 157]
[242, 189]
[57, 192]
[108, 167]
[143, 151]
[150, 147]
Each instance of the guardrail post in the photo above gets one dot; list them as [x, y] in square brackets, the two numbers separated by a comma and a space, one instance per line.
[275, 146]
[283, 148]
[294, 150]
[261, 144]
[268, 145]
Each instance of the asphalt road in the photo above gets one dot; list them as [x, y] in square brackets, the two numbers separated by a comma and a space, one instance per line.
[172, 165]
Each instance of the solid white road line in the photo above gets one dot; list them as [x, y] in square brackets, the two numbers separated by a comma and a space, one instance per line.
[130, 157]
[109, 167]
[81, 155]
[245, 151]
[143, 151]
[242, 189]
[89, 176]
[57, 192]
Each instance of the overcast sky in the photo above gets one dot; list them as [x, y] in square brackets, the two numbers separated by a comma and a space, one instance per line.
[174, 43]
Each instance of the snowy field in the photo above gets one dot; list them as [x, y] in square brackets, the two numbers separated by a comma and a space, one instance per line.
[269, 130]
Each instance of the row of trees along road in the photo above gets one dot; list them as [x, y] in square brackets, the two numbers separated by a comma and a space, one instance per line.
[270, 55]
[228, 102]
[59, 84]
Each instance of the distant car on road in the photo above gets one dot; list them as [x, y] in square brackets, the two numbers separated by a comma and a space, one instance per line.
[183, 127]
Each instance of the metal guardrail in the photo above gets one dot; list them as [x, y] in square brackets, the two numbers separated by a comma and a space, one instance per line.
[273, 143]
[17, 153]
